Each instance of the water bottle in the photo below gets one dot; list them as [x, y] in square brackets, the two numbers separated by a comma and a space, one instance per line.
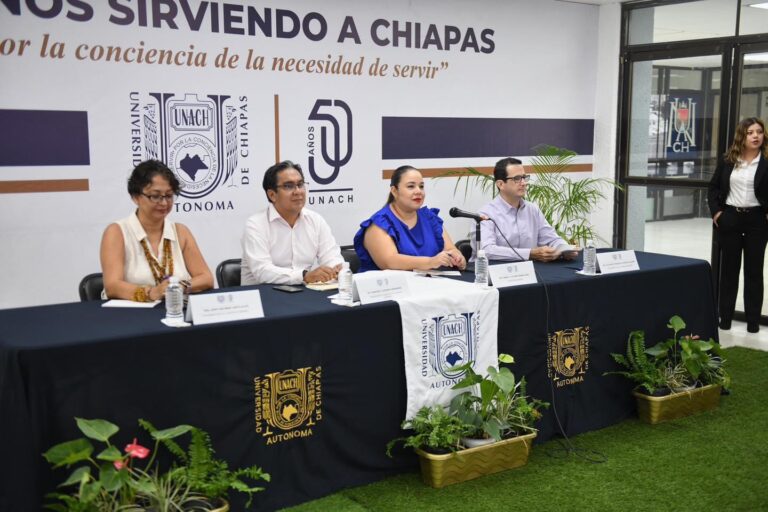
[590, 258]
[481, 268]
[174, 300]
[345, 284]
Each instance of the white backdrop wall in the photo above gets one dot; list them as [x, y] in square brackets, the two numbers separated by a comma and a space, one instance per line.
[535, 59]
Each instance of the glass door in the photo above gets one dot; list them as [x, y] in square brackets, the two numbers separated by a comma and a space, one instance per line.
[674, 112]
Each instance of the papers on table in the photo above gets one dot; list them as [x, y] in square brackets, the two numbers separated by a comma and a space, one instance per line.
[120, 303]
[560, 249]
[323, 286]
[436, 273]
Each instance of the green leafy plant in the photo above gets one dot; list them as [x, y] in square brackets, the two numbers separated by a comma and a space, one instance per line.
[434, 430]
[496, 405]
[113, 480]
[640, 366]
[675, 363]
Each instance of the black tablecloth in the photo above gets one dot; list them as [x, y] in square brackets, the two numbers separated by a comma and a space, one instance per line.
[62, 361]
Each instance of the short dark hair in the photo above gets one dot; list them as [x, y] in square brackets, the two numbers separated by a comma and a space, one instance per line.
[394, 181]
[500, 169]
[270, 177]
[142, 175]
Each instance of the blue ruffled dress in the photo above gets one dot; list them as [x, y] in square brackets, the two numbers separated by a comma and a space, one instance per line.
[425, 239]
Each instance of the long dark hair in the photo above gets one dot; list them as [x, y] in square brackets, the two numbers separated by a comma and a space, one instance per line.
[394, 181]
[740, 137]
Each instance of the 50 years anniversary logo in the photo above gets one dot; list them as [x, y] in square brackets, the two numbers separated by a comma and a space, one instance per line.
[203, 138]
[329, 150]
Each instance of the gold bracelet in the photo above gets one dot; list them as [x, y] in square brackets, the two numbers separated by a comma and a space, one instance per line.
[141, 295]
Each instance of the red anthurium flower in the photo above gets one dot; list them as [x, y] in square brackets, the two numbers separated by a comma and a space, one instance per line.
[119, 464]
[136, 450]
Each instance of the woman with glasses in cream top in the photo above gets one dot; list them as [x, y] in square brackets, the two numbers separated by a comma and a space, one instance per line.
[738, 201]
[139, 253]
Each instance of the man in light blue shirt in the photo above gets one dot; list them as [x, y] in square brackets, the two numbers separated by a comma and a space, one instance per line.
[519, 221]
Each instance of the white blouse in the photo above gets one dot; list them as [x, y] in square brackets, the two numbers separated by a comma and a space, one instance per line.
[742, 192]
[137, 270]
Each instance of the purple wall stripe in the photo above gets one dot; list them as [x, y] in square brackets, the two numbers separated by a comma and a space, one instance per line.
[43, 137]
[450, 137]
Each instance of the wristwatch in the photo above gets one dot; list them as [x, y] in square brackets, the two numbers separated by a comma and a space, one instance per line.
[304, 274]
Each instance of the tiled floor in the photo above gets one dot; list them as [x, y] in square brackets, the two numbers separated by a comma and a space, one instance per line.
[737, 336]
[693, 238]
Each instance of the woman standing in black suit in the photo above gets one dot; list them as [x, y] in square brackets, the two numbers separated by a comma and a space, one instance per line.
[738, 200]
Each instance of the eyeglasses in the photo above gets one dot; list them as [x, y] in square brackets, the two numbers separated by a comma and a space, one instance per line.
[291, 186]
[158, 198]
[518, 178]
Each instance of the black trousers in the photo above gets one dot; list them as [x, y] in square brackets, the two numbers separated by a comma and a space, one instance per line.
[741, 232]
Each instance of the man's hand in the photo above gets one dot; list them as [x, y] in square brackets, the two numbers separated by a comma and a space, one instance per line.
[320, 275]
[543, 254]
[569, 255]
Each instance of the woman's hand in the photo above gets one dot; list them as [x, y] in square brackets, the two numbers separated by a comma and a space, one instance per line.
[158, 292]
[717, 216]
[457, 259]
[441, 259]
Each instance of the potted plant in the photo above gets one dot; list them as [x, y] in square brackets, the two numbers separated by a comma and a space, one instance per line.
[676, 377]
[112, 480]
[565, 203]
[434, 431]
[494, 408]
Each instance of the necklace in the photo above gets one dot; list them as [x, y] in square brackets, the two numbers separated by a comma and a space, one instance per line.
[159, 272]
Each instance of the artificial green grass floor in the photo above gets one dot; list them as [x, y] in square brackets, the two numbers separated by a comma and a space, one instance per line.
[715, 461]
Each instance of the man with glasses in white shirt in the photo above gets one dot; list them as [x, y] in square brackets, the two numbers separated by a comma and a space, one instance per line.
[519, 221]
[287, 243]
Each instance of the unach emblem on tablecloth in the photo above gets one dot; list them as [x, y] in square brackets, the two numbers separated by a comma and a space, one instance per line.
[568, 355]
[287, 403]
[453, 343]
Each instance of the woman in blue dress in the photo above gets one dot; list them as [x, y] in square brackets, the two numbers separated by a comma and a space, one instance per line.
[405, 234]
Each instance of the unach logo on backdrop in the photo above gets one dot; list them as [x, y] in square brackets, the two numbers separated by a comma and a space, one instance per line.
[202, 138]
[329, 149]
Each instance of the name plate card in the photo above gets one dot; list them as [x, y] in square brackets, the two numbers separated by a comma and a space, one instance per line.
[371, 287]
[512, 274]
[212, 308]
[618, 261]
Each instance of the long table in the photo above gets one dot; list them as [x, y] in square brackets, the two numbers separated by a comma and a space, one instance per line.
[62, 361]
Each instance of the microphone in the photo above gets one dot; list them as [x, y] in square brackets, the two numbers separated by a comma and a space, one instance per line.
[455, 212]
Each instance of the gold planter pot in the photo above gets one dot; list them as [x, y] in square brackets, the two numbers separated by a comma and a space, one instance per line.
[655, 409]
[451, 468]
[223, 508]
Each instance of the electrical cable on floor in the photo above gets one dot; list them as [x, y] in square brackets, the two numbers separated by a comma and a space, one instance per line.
[566, 446]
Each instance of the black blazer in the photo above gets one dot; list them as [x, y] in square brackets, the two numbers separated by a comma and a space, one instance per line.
[720, 185]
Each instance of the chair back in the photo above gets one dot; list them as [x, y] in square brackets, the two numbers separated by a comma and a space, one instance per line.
[349, 254]
[228, 273]
[91, 286]
[465, 247]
